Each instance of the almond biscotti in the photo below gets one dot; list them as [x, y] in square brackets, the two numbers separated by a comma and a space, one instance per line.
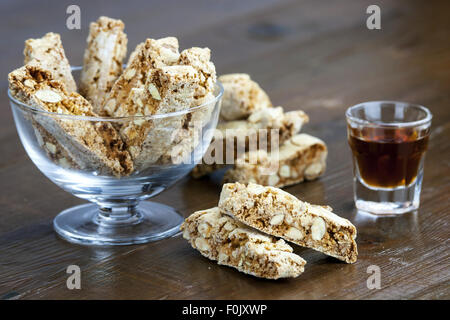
[187, 137]
[147, 56]
[49, 52]
[239, 136]
[53, 148]
[103, 58]
[287, 123]
[242, 96]
[303, 157]
[91, 145]
[168, 89]
[155, 82]
[200, 60]
[221, 238]
[278, 213]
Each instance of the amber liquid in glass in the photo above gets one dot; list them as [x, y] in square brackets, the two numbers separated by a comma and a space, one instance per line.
[387, 158]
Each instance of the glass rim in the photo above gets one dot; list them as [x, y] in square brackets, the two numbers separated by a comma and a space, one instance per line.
[28, 108]
[427, 119]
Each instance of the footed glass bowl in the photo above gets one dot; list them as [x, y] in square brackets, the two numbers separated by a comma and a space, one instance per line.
[117, 214]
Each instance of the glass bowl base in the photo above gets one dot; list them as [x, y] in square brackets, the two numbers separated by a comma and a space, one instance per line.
[86, 224]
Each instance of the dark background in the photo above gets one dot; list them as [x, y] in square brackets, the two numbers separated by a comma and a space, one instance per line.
[312, 55]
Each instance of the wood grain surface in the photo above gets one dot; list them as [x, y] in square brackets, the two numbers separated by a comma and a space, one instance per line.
[312, 55]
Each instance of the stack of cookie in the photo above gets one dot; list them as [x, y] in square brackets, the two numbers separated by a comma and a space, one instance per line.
[280, 155]
[158, 79]
[242, 231]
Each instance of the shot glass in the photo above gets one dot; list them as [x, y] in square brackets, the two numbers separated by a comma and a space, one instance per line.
[388, 140]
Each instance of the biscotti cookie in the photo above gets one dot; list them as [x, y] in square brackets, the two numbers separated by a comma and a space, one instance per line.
[92, 145]
[188, 137]
[49, 52]
[200, 60]
[288, 123]
[301, 157]
[239, 136]
[242, 96]
[221, 238]
[167, 89]
[53, 148]
[147, 56]
[103, 58]
[278, 213]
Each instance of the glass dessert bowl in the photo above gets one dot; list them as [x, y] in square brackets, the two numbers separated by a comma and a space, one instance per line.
[117, 214]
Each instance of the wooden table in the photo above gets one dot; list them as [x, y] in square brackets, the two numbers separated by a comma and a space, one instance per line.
[312, 55]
